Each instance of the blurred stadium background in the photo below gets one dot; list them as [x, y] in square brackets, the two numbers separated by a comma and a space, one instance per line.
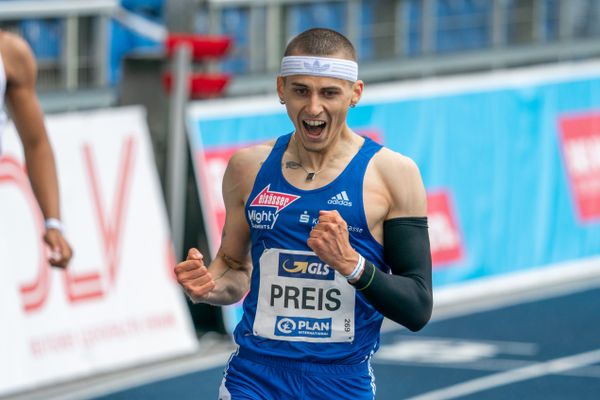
[498, 101]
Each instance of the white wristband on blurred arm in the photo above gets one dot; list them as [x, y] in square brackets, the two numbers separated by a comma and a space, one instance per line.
[54, 223]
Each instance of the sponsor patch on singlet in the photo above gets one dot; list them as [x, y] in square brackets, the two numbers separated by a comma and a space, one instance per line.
[303, 299]
[263, 211]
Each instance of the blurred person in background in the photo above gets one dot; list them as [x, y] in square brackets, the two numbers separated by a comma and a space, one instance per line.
[326, 232]
[18, 74]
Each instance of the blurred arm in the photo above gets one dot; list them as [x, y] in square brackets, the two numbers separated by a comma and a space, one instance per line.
[24, 107]
[28, 118]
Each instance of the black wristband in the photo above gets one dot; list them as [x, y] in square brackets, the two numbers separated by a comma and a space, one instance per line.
[366, 277]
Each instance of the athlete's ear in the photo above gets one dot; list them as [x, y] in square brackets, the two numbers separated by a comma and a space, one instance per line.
[357, 90]
[280, 87]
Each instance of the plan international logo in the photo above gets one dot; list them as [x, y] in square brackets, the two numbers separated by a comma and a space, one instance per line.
[271, 203]
[303, 327]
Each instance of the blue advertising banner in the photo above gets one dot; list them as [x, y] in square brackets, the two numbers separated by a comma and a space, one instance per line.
[511, 160]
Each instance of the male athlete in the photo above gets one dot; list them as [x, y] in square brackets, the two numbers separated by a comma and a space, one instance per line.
[18, 74]
[328, 232]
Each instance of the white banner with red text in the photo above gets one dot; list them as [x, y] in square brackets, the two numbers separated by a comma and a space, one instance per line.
[117, 305]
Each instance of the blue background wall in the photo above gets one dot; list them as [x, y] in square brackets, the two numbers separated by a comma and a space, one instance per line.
[497, 151]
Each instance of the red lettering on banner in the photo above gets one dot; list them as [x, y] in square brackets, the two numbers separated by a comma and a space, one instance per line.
[34, 293]
[108, 332]
[580, 141]
[58, 343]
[89, 286]
[445, 238]
[82, 286]
[100, 334]
[161, 321]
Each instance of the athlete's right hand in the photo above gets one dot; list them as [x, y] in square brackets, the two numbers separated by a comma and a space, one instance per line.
[194, 277]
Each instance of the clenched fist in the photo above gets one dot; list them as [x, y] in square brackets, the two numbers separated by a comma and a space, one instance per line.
[194, 277]
[330, 241]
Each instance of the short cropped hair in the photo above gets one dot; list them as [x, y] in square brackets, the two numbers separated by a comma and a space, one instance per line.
[320, 42]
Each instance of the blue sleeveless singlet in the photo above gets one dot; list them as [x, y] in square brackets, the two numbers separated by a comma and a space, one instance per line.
[298, 307]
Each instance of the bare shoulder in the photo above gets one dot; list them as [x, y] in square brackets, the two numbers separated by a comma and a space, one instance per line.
[14, 45]
[389, 162]
[401, 178]
[248, 159]
[243, 167]
[17, 57]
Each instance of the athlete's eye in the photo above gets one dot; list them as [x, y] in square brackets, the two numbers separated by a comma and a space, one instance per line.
[301, 91]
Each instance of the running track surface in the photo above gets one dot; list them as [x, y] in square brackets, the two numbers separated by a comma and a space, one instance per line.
[543, 349]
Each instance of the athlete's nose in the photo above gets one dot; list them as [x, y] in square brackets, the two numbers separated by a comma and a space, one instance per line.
[314, 106]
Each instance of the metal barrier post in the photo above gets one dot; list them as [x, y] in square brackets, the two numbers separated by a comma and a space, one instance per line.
[177, 145]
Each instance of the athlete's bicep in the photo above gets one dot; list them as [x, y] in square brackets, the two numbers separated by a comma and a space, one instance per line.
[235, 239]
[405, 186]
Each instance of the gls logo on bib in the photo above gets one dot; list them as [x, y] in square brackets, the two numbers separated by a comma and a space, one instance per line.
[304, 266]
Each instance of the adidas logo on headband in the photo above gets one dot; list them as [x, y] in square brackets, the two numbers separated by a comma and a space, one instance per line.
[316, 66]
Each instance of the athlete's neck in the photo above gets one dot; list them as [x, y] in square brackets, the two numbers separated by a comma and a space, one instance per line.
[341, 147]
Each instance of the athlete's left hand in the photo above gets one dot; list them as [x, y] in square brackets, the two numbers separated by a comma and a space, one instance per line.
[60, 251]
[330, 241]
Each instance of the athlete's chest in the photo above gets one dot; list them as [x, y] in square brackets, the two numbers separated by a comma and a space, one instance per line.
[277, 206]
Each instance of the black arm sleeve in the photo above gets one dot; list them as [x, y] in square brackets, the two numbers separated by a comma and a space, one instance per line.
[405, 296]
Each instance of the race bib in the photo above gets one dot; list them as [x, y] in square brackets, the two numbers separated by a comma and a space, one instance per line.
[302, 299]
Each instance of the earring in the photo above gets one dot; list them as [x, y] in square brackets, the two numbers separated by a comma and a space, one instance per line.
[281, 101]
[352, 105]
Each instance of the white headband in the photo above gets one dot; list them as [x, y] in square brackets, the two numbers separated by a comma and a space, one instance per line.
[319, 66]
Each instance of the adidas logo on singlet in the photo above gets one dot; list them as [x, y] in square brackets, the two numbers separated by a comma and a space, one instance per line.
[340, 199]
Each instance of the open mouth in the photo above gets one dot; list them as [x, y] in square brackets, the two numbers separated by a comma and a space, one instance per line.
[314, 128]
